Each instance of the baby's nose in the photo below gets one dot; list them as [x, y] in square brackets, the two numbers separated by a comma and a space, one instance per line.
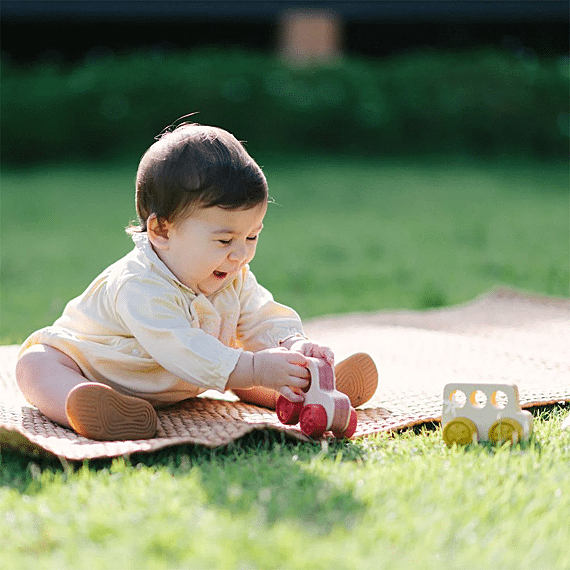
[238, 253]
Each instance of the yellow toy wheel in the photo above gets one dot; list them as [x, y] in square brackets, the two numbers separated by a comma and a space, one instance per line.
[506, 429]
[460, 430]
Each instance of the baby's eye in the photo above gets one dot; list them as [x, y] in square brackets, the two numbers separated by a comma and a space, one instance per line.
[253, 238]
[225, 241]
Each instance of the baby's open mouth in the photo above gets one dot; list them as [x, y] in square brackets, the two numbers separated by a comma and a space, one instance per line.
[220, 274]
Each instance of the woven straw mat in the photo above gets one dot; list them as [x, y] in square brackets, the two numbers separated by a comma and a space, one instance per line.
[504, 336]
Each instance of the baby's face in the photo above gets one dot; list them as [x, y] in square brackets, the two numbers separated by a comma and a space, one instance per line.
[208, 249]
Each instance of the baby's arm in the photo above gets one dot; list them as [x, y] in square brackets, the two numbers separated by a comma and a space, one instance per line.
[275, 368]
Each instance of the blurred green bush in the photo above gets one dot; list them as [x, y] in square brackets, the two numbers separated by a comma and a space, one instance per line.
[485, 103]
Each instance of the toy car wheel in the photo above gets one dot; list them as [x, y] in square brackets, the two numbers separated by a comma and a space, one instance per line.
[460, 430]
[313, 420]
[350, 428]
[506, 429]
[288, 412]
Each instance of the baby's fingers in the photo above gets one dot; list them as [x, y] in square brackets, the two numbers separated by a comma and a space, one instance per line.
[290, 395]
[300, 383]
[326, 354]
[296, 358]
[298, 371]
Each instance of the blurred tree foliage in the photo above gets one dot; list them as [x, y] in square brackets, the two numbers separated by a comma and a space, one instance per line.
[484, 103]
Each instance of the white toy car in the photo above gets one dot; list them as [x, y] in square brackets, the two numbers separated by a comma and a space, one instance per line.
[483, 412]
[324, 408]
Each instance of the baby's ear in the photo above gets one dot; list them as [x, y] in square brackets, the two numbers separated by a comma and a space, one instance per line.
[157, 229]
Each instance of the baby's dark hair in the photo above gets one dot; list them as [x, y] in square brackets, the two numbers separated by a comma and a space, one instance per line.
[195, 165]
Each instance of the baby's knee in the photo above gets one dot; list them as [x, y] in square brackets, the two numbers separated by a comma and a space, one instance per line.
[27, 366]
[45, 377]
[34, 363]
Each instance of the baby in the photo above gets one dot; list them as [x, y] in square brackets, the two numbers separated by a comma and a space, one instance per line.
[182, 312]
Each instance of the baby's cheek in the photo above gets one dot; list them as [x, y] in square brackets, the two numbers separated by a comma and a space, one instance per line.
[250, 256]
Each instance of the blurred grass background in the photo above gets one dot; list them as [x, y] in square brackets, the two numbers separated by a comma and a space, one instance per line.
[344, 234]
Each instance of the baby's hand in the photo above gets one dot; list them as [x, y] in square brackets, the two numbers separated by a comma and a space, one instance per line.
[281, 369]
[313, 350]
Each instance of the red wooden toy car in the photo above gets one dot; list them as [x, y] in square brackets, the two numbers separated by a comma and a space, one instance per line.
[324, 408]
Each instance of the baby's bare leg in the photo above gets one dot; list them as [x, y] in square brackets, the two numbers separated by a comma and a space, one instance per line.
[258, 396]
[45, 376]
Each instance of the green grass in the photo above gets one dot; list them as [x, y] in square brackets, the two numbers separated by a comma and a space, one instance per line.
[387, 502]
[342, 236]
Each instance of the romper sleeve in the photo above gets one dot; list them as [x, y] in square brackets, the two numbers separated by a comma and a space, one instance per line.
[263, 322]
[159, 321]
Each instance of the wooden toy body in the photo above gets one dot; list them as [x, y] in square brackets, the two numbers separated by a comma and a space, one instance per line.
[322, 391]
[324, 408]
[483, 412]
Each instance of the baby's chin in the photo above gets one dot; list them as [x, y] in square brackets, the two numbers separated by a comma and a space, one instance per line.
[216, 282]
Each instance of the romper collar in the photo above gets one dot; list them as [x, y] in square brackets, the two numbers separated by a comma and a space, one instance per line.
[143, 244]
